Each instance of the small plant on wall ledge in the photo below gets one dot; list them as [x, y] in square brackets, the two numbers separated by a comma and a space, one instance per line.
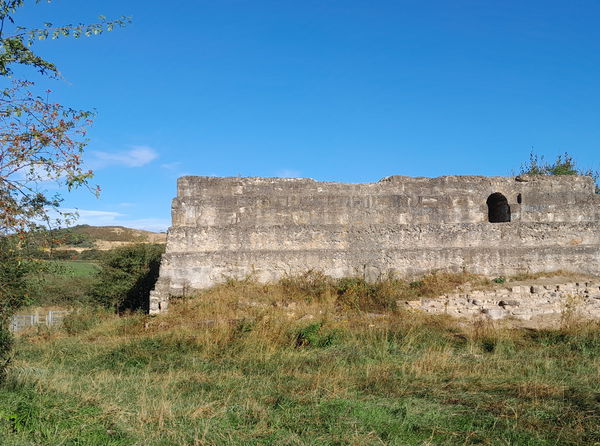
[563, 165]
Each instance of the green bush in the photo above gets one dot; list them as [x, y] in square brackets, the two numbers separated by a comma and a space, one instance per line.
[563, 165]
[14, 272]
[15, 268]
[90, 254]
[314, 335]
[127, 275]
[6, 341]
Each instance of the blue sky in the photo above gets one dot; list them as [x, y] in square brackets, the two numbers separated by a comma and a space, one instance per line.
[333, 90]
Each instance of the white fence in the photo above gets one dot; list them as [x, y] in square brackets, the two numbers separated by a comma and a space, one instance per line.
[51, 318]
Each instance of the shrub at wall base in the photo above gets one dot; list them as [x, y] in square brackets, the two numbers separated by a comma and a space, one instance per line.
[127, 276]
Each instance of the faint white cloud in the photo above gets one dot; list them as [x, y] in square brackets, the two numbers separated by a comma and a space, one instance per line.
[171, 166]
[288, 173]
[147, 224]
[95, 218]
[175, 169]
[137, 156]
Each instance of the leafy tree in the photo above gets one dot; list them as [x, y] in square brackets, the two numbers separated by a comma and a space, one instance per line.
[40, 141]
[16, 42]
[563, 165]
[13, 276]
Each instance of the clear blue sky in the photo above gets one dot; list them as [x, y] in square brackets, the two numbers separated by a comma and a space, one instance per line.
[333, 90]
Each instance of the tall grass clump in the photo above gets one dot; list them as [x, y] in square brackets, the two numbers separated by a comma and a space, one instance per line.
[380, 295]
[309, 286]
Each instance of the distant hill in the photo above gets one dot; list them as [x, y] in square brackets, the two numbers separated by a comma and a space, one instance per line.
[83, 237]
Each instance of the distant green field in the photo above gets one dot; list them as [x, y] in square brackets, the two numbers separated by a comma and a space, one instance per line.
[76, 268]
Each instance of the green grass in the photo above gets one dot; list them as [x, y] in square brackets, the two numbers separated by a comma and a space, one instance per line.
[299, 371]
[76, 268]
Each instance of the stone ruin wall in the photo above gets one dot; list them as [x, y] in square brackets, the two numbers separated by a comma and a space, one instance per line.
[269, 227]
[538, 305]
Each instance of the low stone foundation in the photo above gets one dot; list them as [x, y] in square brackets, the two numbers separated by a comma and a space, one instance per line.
[536, 303]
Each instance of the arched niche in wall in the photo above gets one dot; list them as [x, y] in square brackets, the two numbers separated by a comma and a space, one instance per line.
[498, 208]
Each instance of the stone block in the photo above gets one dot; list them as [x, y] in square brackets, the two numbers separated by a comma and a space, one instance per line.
[495, 313]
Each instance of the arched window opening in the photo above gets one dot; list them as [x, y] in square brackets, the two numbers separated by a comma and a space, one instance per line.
[498, 208]
[519, 199]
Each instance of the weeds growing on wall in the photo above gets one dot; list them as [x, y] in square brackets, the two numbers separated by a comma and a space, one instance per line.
[564, 164]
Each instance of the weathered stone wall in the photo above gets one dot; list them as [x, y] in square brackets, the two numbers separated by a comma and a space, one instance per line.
[542, 305]
[269, 227]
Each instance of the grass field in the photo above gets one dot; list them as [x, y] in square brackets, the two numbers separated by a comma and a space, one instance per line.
[246, 364]
[76, 268]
